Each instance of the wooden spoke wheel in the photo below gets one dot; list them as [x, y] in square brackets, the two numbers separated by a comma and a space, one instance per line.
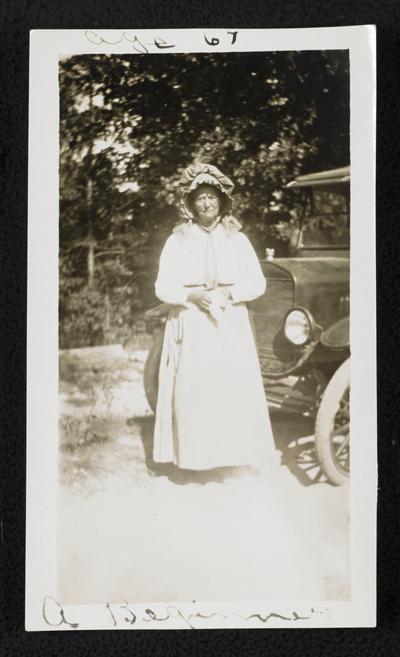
[332, 427]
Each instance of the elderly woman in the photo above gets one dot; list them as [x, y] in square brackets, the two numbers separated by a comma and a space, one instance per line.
[211, 408]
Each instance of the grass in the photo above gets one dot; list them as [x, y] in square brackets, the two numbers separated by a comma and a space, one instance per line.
[86, 385]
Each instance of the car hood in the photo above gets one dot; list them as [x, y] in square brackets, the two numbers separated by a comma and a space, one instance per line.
[308, 270]
[319, 284]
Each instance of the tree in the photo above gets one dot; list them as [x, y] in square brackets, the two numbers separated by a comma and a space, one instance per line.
[129, 124]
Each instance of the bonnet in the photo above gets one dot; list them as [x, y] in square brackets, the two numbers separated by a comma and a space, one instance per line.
[204, 174]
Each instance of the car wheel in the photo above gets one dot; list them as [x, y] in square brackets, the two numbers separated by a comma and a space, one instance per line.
[151, 369]
[332, 427]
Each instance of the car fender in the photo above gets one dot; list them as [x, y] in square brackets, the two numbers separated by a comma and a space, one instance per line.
[337, 336]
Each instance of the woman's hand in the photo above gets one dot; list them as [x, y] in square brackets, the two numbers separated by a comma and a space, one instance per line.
[225, 294]
[201, 298]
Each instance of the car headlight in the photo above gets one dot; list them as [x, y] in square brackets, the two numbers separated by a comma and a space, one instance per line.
[298, 327]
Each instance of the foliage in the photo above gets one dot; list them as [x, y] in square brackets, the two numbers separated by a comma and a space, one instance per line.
[129, 124]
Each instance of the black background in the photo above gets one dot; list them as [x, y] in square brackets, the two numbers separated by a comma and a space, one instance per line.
[17, 18]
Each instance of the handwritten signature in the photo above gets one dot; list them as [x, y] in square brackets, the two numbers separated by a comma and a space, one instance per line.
[54, 615]
[142, 47]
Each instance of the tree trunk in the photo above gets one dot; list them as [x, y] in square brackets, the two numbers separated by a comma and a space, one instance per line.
[90, 259]
[107, 317]
[89, 238]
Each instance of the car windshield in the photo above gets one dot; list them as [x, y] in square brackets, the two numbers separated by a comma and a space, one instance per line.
[326, 220]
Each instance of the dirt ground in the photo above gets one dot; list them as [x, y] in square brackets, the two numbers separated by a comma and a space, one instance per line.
[129, 529]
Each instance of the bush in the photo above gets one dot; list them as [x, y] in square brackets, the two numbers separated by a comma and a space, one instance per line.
[81, 316]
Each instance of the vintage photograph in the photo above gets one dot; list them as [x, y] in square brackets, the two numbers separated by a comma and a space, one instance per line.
[204, 326]
[205, 313]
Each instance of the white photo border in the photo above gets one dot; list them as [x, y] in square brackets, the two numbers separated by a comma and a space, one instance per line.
[42, 610]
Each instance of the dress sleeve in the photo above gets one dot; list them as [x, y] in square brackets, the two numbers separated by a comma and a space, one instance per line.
[251, 281]
[167, 286]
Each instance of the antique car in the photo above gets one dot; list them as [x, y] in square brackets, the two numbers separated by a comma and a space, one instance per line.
[301, 323]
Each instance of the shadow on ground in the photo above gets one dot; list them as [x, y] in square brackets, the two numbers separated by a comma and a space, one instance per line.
[294, 438]
[177, 475]
[297, 452]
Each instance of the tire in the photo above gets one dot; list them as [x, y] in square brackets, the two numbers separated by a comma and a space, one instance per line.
[151, 369]
[332, 435]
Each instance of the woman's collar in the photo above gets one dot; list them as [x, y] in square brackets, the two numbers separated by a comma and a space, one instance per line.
[230, 226]
[229, 223]
[211, 227]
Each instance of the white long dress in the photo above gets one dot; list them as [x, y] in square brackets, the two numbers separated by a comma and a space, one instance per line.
[211, 408]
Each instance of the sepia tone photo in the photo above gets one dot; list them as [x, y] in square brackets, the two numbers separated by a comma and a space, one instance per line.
[204, 317]
[204, 326]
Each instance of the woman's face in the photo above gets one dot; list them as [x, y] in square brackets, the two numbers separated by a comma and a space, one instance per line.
[206, 203]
